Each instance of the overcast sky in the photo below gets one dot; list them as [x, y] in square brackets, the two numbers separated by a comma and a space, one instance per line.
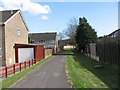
[53, 16]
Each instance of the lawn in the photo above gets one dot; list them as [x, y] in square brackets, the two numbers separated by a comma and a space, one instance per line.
[13, 79]
[83, 74]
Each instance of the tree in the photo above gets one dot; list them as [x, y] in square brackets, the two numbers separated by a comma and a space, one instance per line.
[85, 34]
[29, 40]
[71, 30]
[61, 36]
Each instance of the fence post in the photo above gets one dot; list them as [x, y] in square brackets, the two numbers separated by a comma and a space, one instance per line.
[24, 64]
[14, 68]
[35, 61]
[118, 53]
[29, 63]
[6, 72]
[20, 66]
[32, 61]
[111, 57]
[103, 54]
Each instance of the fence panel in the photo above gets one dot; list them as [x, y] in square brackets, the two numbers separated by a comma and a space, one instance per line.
[108, 53]
[5, 72]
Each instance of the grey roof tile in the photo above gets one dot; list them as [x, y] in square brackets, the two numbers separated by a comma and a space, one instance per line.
[6, 14]
[43, 36]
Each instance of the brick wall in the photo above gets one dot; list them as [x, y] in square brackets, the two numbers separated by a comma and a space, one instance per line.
[12, 36]
[0, 45]
[48, 52]
[39, 52]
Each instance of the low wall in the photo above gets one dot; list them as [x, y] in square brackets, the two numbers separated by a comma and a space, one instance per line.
[48, 52]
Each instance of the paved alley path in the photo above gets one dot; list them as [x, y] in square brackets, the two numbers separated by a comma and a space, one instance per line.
[50, 75]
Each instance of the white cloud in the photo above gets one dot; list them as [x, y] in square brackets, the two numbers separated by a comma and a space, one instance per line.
[44, 17]
[25, 5]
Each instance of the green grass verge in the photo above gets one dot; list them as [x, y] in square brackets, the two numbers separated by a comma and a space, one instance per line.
[11, 80]
[83, 74]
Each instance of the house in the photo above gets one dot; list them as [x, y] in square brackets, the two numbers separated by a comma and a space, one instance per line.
[49, 40]
[65, 44]
[13, 29]
[113, 37]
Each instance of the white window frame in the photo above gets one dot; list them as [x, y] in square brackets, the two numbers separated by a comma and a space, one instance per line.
[18, 31]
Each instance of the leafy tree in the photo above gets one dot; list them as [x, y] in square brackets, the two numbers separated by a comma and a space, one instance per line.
[85, 34]
[29, 40]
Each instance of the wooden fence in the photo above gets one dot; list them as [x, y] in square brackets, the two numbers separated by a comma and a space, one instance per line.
[90, 51]
[108, 53]
[104, 52]
[9, 70]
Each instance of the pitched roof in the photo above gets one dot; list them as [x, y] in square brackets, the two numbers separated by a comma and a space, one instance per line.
[43, 36]
[118, 30]
[63, 42]
[6, 14]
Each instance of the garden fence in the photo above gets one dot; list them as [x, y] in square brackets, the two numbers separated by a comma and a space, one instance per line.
[108, 53]
[9, 70]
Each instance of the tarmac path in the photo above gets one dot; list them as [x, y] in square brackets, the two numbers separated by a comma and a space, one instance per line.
[50, 75]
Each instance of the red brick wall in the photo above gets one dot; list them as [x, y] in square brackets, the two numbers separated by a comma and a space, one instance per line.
[39, 53]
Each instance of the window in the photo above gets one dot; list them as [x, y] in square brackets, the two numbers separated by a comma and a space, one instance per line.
[52, 41]
[18, 31]
[32, 41]
[42, 41]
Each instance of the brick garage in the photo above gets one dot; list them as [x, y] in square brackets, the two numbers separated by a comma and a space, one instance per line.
[37, 51]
